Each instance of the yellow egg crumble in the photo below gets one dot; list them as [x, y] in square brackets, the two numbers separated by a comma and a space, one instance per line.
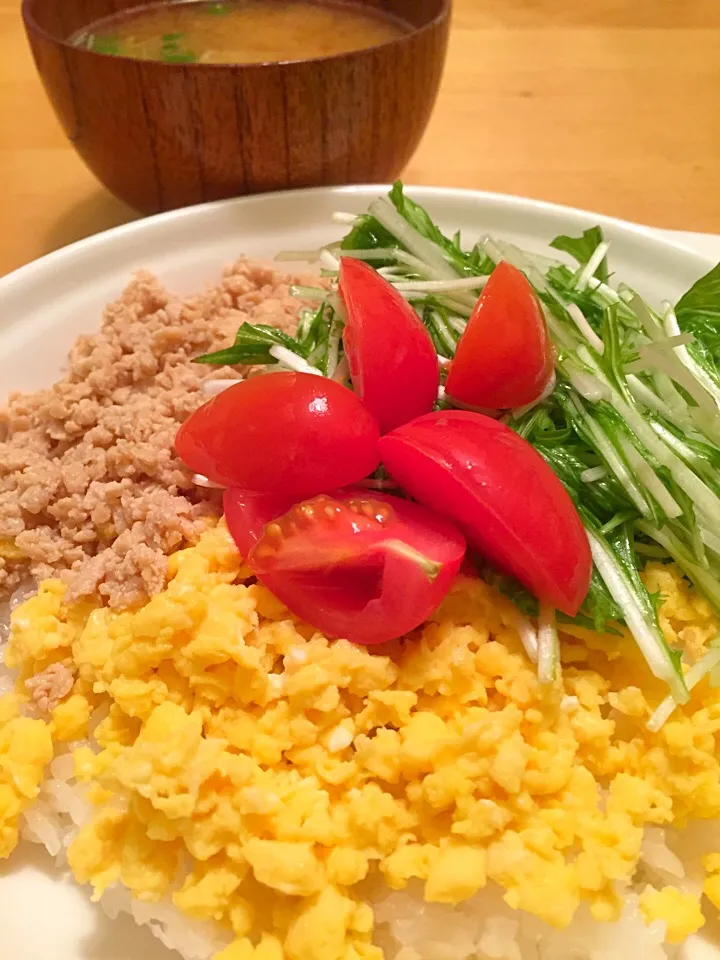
[259, 773]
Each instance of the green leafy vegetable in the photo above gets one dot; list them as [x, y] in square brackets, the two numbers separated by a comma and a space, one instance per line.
[476, 263]
[593, 429]
[252, 345]
[632, 428]
[602, 611]
[582, 248]
[317, 343]
[702, 301]
[510, 588]
[368, 234]
[698, 312]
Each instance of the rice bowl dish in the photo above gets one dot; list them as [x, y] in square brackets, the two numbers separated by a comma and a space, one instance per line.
[204, 759]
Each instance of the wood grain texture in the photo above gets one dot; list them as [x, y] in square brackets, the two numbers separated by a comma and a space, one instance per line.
[161, 136]
[611, 105]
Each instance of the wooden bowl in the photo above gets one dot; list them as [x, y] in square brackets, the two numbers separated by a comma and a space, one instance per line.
[162, 135]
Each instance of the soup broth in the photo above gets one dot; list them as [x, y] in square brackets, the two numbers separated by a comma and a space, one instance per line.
[238, 31]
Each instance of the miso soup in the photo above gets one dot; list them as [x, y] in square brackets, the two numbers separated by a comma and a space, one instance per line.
[238, 31]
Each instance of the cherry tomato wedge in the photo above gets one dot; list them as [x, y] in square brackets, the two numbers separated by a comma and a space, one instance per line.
[393, 363]
[247, 515]
[294, 433]
[502, 494]
[504, 357]
[358, 564]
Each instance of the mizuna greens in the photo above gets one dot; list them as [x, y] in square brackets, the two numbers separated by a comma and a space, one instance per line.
[631, 426]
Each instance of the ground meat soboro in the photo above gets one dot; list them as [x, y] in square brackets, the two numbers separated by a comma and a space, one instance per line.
[90, 487]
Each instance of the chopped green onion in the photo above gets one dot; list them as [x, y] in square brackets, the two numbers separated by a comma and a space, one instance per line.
[180, 57]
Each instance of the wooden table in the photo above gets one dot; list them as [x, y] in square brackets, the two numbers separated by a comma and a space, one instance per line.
[611, 105]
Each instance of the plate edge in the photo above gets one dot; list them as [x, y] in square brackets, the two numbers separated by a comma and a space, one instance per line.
[23, 273]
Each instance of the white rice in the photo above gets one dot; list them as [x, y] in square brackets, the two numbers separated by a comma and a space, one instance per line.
[407, 928]
[485, 927]
[192, 939]
[54, 820]
[61, 809]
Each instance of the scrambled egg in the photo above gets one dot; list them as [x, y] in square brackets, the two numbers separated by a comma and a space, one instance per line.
[258, 774]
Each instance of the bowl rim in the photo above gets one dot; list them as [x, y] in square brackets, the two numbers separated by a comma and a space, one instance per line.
[32, 27]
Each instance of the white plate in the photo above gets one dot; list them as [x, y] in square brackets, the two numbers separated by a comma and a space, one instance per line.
[45, 305]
